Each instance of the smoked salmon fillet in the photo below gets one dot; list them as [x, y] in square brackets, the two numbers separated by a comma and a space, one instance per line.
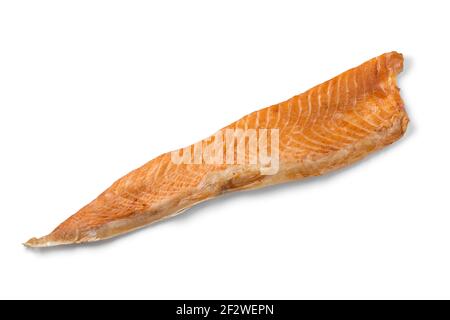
[325, 128]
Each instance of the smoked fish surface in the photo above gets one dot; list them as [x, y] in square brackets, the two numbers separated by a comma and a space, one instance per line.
[325, 128]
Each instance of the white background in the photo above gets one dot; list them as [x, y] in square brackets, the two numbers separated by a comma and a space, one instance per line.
[89, 90]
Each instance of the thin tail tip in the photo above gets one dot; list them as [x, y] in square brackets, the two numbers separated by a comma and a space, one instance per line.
[35, 242]
[42, 242]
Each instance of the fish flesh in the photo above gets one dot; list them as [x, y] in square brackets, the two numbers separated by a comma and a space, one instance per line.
[325, 128]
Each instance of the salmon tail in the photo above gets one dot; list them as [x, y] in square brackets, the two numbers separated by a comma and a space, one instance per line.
[45, 241]
[66, 233]
[50, 240]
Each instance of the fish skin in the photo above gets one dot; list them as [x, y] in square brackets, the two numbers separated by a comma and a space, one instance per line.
[327, 127]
